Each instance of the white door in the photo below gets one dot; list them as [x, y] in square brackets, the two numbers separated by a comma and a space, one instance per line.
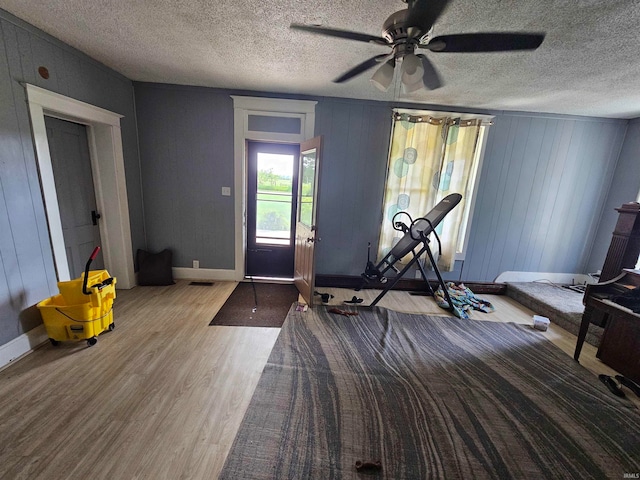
[73, 178]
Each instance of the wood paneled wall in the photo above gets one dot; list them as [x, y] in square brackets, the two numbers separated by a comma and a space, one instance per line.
[186, 154]
[625, 188]
[543, 183]
[27, 273]
[354, 165]
[542, 187]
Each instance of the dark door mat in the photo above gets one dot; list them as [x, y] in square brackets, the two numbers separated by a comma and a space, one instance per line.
[202, 284]
[274, 302]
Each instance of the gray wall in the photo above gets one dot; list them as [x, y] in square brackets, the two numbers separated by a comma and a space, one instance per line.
[625, 187]
[543, 183]
[186, 155]
[186, 152]
[27, 273]
[354, 165]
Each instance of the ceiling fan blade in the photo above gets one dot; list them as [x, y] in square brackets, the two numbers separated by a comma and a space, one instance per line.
[430, 79]
[335, 32]
[424, 13]
[363, 67]
[484, 42]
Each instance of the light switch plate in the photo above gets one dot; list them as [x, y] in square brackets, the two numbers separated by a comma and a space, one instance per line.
[226, 191]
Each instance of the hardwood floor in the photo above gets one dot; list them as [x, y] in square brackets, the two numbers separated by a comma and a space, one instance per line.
[162, 396]
[159, 397]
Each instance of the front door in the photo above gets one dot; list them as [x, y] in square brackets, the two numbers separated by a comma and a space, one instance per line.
[306, 229]
[71, 163]
[271, 208]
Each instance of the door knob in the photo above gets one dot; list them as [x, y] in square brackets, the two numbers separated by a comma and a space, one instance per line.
[94, 217]
[310, 240]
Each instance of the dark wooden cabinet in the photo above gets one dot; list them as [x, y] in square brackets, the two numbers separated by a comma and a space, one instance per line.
[622, 254]
[625, 243]
[620, 346]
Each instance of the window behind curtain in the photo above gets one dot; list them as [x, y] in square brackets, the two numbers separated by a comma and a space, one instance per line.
[432, 155]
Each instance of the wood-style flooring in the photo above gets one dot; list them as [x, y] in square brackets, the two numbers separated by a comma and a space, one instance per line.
[162, 396]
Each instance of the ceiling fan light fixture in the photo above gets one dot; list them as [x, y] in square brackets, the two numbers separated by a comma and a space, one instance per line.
[412, 72]
[411, 88]
[382, 78]
[412, 28]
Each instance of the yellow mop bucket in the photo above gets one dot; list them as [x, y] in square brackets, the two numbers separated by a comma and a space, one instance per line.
[83, 309]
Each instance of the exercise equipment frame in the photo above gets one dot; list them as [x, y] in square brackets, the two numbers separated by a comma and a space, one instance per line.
[417, 233]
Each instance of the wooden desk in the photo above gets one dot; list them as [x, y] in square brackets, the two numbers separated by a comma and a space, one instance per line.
[620, 344]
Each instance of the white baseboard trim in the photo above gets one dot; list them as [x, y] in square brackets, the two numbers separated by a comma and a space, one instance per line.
[22, 345]
[565, 278]
[204, 274]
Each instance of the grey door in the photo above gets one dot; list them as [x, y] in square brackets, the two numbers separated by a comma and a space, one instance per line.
[73, 178]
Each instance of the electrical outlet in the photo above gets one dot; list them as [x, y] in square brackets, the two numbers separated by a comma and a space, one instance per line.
[196, 264]
[226, 191]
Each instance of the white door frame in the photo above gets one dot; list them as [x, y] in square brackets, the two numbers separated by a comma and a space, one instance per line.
[243, 107]
[107, 165]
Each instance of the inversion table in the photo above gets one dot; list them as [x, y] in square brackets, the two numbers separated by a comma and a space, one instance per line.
[415, 235]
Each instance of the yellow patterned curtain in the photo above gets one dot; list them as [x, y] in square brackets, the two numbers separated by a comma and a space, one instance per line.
[429, 159]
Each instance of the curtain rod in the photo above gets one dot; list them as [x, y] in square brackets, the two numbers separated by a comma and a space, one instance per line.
[439, 121]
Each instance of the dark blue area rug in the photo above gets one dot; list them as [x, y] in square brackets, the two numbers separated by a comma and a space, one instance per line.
[428, 397]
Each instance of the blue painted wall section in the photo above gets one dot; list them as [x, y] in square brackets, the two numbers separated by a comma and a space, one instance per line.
[354, 164]
[27, 273]
[543, 183]
[186, 154]
[542, 186]
[624, 189]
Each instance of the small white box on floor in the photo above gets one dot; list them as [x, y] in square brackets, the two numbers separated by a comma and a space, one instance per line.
[540, 323]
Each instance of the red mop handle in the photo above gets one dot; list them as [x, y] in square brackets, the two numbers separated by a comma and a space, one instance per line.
[95, 253]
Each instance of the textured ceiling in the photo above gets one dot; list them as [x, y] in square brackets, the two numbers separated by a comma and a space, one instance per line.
[587, 65]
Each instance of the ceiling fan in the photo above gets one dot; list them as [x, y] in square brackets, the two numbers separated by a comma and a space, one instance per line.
[411, 29]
